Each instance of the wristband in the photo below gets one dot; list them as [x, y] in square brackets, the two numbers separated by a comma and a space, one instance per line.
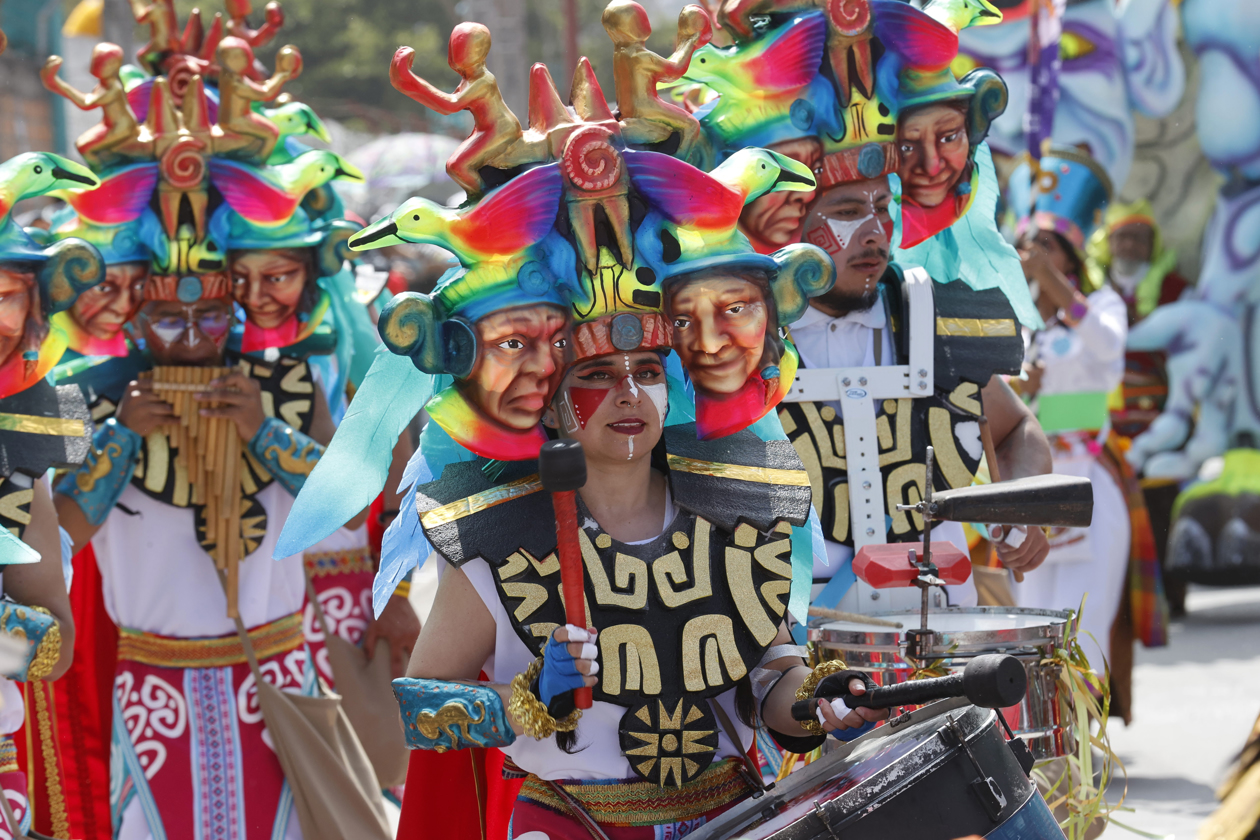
[39, 631]
[99, 482]
[289, 455]
[1074, 314]
[440, 716]
[403, 589]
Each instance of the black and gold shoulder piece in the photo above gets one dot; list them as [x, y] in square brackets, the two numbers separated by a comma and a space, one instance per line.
[737, 478]
[465, 514]
[977, 335]
[41, 427]
[977, 332]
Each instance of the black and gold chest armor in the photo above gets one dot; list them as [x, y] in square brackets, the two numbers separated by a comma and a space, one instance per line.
[976, 336]
[682, 618]
[288, 393]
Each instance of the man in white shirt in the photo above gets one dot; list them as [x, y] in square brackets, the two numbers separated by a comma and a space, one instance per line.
[850, 326]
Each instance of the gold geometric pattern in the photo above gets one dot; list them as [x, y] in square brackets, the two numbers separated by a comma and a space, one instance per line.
[669, 742]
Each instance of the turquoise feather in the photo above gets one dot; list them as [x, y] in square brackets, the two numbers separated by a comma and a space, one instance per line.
[356, 464]
[13, 551]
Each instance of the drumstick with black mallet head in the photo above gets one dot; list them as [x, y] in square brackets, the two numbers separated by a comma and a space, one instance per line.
[562, 469]
[992, 681]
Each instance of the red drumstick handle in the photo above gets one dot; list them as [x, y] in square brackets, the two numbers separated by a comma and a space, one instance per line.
[571, 576]
[562, 469]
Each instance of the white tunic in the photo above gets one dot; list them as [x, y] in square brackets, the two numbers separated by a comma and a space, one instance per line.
[157, 578]
[849, 341]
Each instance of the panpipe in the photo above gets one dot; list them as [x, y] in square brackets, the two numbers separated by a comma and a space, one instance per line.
[208, 452]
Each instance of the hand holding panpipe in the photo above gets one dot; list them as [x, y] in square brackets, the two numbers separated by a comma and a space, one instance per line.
[208, 451]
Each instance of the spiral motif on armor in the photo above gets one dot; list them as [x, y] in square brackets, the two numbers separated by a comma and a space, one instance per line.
[849, 17]
[590, 162]
[184, 164]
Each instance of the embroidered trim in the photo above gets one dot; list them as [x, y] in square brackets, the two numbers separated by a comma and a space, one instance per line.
[48, 752]
[280, 636]
[39, 630]
[343, 562]
[287, 453]
[8, 755]
[639, 803]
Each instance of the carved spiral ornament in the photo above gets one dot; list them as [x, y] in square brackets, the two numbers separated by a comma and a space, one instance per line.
[590, 161]
[179, 76]
[849, 17]
[184, 164]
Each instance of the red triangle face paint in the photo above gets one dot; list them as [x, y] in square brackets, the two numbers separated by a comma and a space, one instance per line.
[585, 402]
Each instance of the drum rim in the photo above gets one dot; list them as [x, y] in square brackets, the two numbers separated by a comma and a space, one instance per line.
[967, 640]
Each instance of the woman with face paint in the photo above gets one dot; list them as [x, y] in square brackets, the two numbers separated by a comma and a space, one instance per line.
[615, 405]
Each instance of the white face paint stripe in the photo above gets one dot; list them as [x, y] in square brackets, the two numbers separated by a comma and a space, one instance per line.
[844, 231]
[659, 395]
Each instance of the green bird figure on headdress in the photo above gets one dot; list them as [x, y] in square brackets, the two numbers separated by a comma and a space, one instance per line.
[269, 196]
[39, 173]
[959, 14]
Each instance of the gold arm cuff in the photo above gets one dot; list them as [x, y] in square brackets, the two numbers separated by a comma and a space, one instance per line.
[403, 589]
[807, 689]
[531, 713]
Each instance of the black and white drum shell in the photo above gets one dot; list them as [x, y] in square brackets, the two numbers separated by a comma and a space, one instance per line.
[961, 634]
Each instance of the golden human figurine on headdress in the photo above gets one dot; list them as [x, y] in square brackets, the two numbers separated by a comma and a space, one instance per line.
[645, 117]
[243, 132]
[495, 127]
[238, 25]
[160, 17]
[118, 126]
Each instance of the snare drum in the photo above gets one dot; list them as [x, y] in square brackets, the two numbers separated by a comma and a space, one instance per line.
[962, 633]
[928, 775]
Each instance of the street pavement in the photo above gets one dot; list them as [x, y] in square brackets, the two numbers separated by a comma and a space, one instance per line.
[1194, 703]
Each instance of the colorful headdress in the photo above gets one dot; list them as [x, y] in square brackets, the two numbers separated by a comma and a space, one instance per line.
[184, 154]
[573, 244]
[60, 269]
[1066, 192]
[607, 281]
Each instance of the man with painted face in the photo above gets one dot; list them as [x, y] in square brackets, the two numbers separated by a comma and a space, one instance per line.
[153, 547]
[867, 319]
